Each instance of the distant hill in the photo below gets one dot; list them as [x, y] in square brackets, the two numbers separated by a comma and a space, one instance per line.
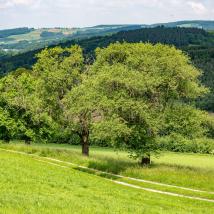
[15, 31]
[26, 39]
[201, 24]
[179, 37]
[197, 43]
[206, 25]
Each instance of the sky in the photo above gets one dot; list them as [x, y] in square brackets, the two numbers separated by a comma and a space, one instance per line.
[81, 13]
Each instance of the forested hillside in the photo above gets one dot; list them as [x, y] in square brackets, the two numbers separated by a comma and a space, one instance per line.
[15, 31]
[202, 24]
[27, 39]
[203, 58]
[195, 42]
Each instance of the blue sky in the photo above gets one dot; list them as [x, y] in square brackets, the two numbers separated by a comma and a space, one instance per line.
[79, 13]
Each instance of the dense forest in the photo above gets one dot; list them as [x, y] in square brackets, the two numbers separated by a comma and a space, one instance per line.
[203, 58]
[197, 43]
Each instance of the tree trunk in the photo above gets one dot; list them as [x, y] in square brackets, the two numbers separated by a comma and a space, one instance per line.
[146, 160]
[7, 141]
[27, 142]
[85, 144]
[84, 135]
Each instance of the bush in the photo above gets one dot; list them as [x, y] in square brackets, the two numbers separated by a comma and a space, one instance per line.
[177, 143]
[209, 124]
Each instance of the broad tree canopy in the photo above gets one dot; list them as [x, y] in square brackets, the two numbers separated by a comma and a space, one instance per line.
[130, 90]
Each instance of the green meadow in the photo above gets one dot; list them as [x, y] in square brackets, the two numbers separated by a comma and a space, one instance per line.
[33, 184]
[135, 97]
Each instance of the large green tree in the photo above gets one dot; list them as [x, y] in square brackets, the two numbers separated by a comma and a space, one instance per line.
[128, 92]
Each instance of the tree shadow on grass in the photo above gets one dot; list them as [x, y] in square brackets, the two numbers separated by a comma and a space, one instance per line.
[111, 165]
[115, 166]
[111, 168]
[97, 173]
[118, 167]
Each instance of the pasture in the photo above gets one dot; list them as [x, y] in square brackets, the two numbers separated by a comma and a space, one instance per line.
[34, 184]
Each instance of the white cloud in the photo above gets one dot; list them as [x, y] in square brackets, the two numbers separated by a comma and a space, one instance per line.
[42, 13]
[197, 7]
[22, 2]
[11, 3]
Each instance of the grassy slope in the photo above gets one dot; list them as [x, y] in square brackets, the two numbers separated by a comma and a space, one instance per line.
[28, 186]
[35, 35]
[187, 170]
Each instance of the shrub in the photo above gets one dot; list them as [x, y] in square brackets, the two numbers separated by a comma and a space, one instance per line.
[177, 143]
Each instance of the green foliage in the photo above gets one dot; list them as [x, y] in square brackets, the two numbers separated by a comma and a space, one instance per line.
[178, 143]
[139, 84]
[8, 126]
[209, 124]
[185, 120]
[17, 119]
[36, 95]
[197, 43]
[56, 72]
[130, 95]
[203, 58]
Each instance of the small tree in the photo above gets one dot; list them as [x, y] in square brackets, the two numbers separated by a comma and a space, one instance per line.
[39, 92]
[57, 72]
[16, 118]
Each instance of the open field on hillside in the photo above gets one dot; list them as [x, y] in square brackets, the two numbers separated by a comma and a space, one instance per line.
[35, 34]
[184, 174]
[188, 170]
[31, 186]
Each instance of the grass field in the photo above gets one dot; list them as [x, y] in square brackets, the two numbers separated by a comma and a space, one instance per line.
[30, 186]
[35, 35]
